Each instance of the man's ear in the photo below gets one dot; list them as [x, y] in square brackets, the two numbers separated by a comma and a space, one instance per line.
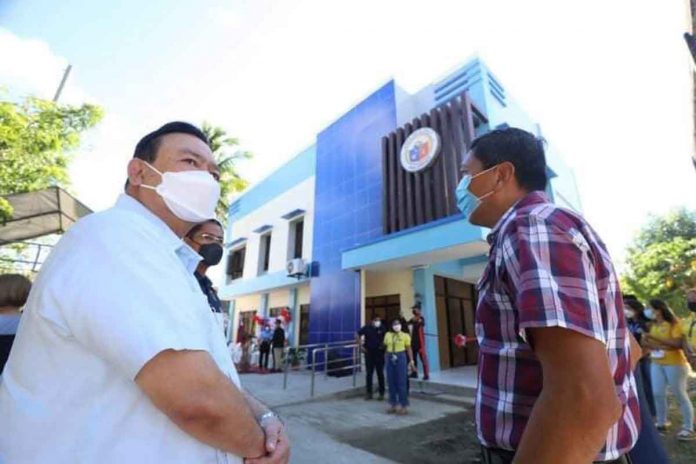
[135, 172]
[506, 172]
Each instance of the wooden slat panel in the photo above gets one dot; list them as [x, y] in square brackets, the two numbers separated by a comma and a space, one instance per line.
[410, 189]
[457, 127]
[439, 206]
[418, 185]
[385, 186]
[393, 166]
[446, 155]
[414, 199]
[427, 180]
[400, 184]
[451, 157]
[468, 115]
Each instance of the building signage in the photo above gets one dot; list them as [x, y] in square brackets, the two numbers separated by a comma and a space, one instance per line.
[420, 149]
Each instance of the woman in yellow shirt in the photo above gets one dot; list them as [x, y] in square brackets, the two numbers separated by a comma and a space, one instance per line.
[399, 360]
[669, 367]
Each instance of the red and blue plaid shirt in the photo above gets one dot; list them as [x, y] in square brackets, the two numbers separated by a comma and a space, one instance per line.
[547, 268]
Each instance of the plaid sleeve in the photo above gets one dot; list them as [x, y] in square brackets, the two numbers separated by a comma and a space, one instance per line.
[552, 278]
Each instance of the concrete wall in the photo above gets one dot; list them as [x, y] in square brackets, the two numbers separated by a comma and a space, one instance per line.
[300, 196]
[348, 213]
[392, 283]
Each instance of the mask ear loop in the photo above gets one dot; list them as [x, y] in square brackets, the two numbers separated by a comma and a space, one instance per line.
[150, 187]
[483, 197]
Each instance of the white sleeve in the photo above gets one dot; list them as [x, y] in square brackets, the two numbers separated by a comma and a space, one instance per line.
[127, 302]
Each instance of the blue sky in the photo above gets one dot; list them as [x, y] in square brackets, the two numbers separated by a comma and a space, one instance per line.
[609, 82]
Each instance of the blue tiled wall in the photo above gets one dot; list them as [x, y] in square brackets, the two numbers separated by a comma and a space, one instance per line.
[348, 202]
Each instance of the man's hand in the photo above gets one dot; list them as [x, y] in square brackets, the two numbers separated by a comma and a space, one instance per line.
[277, 444]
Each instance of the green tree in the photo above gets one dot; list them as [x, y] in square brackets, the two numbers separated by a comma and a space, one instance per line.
[37, 141]
[661, 263]
[227, 154]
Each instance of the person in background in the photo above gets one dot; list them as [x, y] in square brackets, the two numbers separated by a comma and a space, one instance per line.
[417, 324]
[649, 448]
[373, 349]
[278, 344]
[638, 324]
[399, 361]
[669, 367]
[14, 291]
[689, 328]
[206, 239]
[266, 337]
[555, 358]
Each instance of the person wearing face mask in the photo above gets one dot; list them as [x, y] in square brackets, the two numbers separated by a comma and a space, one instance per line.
[669, 367]
[399, 361]
[119, 357]
[689, 328]
[638, 324]
[206, 239]
[649, 448]
[370, 338]
[417, 325]
[555, 357]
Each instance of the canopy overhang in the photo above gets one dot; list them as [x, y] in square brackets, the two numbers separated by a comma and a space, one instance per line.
[44, 212]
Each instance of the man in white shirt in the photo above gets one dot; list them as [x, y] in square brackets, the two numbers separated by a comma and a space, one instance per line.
[118, 358]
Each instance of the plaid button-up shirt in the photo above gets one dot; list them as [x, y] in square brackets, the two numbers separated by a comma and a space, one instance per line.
[547, 268]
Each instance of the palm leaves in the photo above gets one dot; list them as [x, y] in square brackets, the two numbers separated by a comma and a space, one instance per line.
[227, 154]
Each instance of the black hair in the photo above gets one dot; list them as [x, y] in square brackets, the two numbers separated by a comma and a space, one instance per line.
[632, 302]
[146, 149]
[667, 313]
[194, 230]
[521, 148]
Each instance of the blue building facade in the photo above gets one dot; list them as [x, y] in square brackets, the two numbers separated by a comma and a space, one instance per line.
[363, 262]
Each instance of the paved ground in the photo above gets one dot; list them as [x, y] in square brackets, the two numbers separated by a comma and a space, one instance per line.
[269, 387]
[339, 426]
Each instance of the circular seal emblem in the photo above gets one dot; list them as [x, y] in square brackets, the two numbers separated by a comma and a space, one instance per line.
[420, 149]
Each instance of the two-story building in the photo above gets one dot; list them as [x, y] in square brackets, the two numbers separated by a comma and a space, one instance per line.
[370, 210]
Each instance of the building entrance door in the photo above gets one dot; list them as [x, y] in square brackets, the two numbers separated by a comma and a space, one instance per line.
[387, 307]
[455, 301]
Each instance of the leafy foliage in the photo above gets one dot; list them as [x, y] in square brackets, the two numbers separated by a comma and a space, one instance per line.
[227, 154]
[662, 260]
[37, 140]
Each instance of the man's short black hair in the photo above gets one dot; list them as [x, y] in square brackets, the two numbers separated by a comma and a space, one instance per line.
[524, 150]
[194, 230]
[147, 147]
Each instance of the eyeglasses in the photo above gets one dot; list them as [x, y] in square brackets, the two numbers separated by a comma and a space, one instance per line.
[209, 238]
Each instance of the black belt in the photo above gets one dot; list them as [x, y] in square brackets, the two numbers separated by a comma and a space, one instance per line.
[500, 456]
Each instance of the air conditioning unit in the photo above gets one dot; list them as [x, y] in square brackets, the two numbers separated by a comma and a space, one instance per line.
[297, 268]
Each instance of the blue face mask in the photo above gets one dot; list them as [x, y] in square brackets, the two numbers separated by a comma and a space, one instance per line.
[467, 202]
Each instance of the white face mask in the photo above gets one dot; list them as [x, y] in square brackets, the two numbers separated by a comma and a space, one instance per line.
[377, 324]
[397, 327]
[649, 313]
[629, 314]
[190, 195]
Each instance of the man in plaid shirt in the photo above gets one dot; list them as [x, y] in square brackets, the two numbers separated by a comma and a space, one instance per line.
[555, 368]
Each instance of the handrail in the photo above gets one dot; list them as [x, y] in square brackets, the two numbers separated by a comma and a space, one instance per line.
[325, 348]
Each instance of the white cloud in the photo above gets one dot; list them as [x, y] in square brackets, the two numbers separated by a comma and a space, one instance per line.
[30, 67]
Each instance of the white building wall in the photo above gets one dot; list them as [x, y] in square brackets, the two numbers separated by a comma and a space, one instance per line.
[300, 196]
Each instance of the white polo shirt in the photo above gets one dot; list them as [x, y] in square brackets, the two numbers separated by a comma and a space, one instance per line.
[116, 290]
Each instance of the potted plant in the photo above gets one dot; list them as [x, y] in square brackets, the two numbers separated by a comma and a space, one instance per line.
[295, 357]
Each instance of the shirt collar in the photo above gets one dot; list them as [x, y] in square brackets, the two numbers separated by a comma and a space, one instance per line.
[532, 198]
[188, 256]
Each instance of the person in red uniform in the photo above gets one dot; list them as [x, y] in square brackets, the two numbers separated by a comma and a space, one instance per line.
[417, 324]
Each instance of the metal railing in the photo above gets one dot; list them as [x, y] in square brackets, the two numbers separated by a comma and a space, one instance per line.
[326, 360]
